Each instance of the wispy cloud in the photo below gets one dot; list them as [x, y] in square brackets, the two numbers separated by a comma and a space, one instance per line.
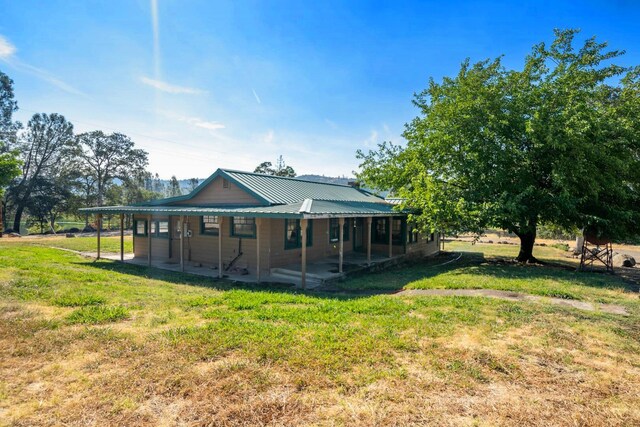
[372, 140]
[193, 121]
[268, 137]
[6, 48]
[8, 55]
[170, 88]
[256, 95]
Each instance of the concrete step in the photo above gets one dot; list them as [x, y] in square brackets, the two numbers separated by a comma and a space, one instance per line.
[295, 277]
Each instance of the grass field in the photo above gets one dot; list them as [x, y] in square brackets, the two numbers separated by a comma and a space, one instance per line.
[103, 343]
[109, 244]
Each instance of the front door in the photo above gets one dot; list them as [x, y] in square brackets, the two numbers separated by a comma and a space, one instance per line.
[358, 233]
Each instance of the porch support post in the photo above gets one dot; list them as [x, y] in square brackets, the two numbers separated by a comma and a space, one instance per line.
[369, 221]
[149, 240]
[182, 231]
[220, 231]
[303, 231]
[121, 237]
[390, 231]
[258, 224]
[99, 221]
[341, 244]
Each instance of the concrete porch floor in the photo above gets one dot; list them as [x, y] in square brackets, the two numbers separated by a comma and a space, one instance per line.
[318, 272]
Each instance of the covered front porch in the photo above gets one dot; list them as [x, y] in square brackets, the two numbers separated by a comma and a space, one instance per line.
[307, 272]
[317, 273]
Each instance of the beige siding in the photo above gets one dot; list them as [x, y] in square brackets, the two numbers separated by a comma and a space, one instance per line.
[423, 247]
[321, 247]
[215, 193]
[203, 249]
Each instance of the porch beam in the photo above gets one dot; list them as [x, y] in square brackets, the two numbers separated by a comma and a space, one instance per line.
[182, 231]
[390, 231]
[220, 231]
[369, 221]
[99, 223]
[149, 240]
[341, 244]
[258, 224]
[121, 237]
[303, 269]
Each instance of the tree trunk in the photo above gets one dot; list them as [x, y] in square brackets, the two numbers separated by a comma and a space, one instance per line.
[18, 218]
[526, 247]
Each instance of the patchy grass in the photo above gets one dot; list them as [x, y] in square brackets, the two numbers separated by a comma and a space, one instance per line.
[489, 266]
[95, 315]
[109, 244]
[121, 344]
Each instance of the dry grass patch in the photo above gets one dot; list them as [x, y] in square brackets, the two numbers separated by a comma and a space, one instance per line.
[189, 354]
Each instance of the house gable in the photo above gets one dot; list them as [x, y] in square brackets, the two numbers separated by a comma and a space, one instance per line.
[219, 191]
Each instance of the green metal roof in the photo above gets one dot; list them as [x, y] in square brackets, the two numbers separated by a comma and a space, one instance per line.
[281, 190]
[305, 209]
[280, 197]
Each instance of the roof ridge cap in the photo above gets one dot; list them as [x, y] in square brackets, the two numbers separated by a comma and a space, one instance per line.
[306, 206]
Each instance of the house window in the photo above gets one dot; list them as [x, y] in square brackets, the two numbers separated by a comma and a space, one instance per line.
[293, 237]
[209, 225]
[160, 229]
[432, 237]
[334, 230]
[141, 227]
[397, 231]
[412, 234]
[243, 226]
[379, 231]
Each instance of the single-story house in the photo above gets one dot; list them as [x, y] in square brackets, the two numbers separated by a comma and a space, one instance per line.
[262, 222]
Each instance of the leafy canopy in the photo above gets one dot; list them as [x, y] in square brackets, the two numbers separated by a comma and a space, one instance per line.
[557, 142]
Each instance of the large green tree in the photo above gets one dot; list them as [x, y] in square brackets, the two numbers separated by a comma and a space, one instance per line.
[46, 149]
[103, 158]
[557, 142]
[9, 163]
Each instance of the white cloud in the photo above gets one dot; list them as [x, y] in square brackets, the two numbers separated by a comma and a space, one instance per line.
[169, 88]
[6, 48]
[193, 121]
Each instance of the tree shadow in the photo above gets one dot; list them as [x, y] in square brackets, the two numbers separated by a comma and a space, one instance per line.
[398, 277]
[393, 279]
[214, 283]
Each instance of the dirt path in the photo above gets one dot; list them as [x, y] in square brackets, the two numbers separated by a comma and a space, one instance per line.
[517, 296]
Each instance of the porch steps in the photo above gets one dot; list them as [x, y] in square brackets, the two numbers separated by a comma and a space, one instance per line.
[295, 277]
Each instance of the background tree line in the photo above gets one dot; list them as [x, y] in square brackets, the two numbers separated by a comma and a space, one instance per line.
[48, 171]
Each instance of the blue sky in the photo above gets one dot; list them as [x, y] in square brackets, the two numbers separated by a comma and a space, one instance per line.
[231, 84]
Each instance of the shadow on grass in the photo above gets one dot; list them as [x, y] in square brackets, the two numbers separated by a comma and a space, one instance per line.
[393, 279]
[225, 284]
[475, 263]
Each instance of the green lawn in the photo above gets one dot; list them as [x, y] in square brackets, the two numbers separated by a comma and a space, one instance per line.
[489, 266]
[107, 343]
[82, 244]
